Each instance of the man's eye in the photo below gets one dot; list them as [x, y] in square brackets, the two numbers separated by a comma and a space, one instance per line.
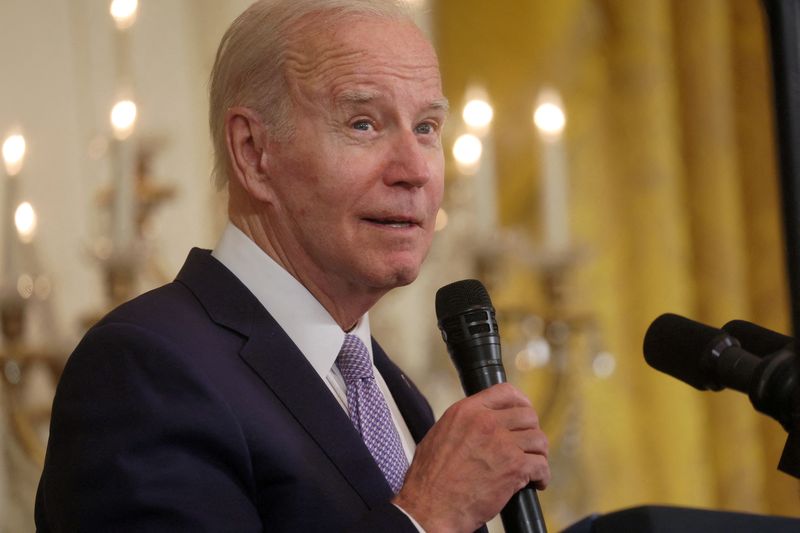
[362, 125]
[425, 128]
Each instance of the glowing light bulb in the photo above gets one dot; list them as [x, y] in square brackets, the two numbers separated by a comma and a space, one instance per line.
[123, 118]
[124, 12]
[25, 285]
[549, 115]
[25, 220]
[604, 365]
[536, 354]
[467, 149]
[14, 154]
[478, 114]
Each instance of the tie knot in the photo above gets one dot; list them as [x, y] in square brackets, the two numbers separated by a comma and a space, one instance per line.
[353, 360]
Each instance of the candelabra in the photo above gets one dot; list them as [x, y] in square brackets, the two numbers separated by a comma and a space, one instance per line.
[21, 364]
[552, 349]
[551, 346]
[28, 413]
[125, 253]
[125, 267]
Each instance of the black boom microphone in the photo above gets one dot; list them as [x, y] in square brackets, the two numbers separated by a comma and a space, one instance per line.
[757, 339]
[469, 328]
[710, 358]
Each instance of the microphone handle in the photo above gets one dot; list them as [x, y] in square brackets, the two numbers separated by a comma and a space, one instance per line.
[522, 513]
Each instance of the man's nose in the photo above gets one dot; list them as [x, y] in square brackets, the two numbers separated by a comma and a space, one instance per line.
[409, 161]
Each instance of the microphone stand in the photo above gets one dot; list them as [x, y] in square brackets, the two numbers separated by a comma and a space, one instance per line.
[784, 31]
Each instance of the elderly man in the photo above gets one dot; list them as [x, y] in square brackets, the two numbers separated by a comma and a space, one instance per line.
[248, 395]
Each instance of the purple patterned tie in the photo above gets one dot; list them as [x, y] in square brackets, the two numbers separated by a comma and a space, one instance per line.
[369, 412]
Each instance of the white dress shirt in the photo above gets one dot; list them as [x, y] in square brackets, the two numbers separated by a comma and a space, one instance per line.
[302, 317]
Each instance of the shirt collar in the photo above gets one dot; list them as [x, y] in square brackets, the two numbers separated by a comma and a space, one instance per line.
[293, 307]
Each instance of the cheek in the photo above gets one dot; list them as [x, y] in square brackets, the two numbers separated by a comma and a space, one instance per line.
[328, 207]
[436, 185]
[312, 187]
[438, 191]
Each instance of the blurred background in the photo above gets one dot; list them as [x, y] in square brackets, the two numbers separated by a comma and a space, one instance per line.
[608, 161]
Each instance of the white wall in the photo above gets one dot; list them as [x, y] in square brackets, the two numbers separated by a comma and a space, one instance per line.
[58, 84]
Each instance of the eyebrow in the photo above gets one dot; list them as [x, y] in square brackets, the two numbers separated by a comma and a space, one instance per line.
[441, 104]
[362, 97]
[356, 97]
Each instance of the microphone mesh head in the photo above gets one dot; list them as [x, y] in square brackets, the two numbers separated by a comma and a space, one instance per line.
[459, 296]
[756, 339]
[677, 346]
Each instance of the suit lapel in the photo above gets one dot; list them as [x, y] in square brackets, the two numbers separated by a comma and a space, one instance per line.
[291, 377]
[283, 368]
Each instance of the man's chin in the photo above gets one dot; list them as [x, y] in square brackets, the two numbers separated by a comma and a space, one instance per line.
[396, 276]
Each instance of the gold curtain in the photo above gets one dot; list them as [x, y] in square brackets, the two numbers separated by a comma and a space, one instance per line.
[674, 191]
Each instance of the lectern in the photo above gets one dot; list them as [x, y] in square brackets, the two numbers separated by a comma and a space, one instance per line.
[665, 519]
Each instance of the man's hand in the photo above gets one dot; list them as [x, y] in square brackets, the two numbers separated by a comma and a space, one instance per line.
[484, 449]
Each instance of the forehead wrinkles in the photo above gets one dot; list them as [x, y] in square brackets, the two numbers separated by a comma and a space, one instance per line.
[326, 61]
[307, 68]
[330, 73]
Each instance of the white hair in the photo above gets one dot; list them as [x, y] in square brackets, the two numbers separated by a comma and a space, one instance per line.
[248, 70]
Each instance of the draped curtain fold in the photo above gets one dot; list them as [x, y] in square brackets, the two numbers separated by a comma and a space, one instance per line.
[674, 190]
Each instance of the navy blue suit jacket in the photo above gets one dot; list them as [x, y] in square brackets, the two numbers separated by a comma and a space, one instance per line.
[189, 409]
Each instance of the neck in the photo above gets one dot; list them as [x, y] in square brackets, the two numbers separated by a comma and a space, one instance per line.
[345, 302]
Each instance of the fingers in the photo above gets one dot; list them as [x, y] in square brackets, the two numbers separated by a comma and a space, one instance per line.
[517, 418]
[537, 477]
[502, 396]
[530, 441]
[524, 452]
[540, 473]
[531, 466]
[512, 411]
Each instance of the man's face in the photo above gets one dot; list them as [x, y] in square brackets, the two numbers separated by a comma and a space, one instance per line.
[357, 187]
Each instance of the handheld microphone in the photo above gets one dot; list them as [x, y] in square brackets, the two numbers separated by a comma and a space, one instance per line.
[467, 321]
[709, 358]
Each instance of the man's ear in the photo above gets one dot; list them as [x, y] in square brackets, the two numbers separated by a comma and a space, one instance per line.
[246, 140]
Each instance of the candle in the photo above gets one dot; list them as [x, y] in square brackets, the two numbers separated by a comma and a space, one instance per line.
[486, 189]
[14, 154]
[550, 120]
[25, 220]
[14, 149]
[123, 12]
[123, 119]
[123, 163]
[478, 115]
